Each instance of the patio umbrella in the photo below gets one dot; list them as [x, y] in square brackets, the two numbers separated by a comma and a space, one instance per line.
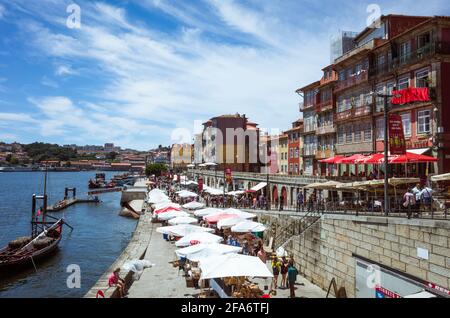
[201, 251]
[248, 226]
[240, 213]
[171, 215]
[182, 230]
[441, 177]
[372, 159]
[351, 159]
[193, 205]
[166, 210]
[163, 205]
[233, 265]
[332, 160]
[207, 211]
[212, 219]
[201, 237]
[229, 222]
[183, 220]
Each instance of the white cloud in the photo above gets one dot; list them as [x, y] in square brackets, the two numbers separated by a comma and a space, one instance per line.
[65, 70]
[48, 82]
[16, 117]
[2, 11]
[224, 57]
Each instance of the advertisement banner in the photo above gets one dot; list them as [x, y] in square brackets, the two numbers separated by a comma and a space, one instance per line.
[397, 143]
[228, 176]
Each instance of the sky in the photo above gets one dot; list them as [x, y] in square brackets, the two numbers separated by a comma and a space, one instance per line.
[140, 73]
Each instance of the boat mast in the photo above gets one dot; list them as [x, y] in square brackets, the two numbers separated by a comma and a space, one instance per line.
[44, 212]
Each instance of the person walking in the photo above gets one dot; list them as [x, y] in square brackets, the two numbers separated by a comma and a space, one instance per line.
[300, 200]
[409, 201]
[276, 268]
[284, 271]
[292, 278]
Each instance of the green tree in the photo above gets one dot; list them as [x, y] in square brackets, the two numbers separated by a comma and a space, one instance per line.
[9, 158]
[112, 156]
[14, 161]
[155, 169]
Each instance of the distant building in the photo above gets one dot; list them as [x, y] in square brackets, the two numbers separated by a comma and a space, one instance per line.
[180, 156]
[231, 141]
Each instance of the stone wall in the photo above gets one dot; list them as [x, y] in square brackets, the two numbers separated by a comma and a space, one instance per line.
[327, 249]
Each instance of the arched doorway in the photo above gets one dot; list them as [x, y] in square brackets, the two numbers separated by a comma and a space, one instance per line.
[284, 195]
[274, 195]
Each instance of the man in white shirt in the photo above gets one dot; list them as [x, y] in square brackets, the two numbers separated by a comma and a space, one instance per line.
[426, 196]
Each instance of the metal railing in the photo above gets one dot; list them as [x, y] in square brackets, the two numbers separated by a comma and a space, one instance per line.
[408, 58]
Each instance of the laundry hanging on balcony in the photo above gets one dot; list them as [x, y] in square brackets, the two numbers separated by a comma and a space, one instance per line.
[411, 95]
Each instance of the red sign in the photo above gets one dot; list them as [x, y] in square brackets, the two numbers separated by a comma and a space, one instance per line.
[200, 185]
[386, 292]
[439, 288]
[397, 142]
[411, 95]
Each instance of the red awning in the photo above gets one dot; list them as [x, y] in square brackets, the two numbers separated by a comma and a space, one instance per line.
[332, 160]
[351, 159]
[411, 158]
[372, 159]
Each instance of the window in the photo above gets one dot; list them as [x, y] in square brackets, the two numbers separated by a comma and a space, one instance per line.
[423, 121]
[380, 100]
[423, 40]
[381, 61]
[403, 83]
[390, 88]
[367, 132]
[348, 134]
[342, 76]
[380, 129]
[340, 140]
[357, 129]
[406, 120]
[422, 78]
[405, 52]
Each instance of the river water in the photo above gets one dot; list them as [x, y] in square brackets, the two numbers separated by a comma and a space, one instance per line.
[99, 236]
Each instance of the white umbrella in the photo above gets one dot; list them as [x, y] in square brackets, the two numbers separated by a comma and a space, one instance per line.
[157, 196]
[242, 214]
[164, 205]
[202, 237]
[205, 212]
[171, 215]
[193, 205]
[187, 194]
[213, 191]
[233, 265]
[198, 252]
[235, 193]
[183, 220]
[248, 226]
[182, 230]
[226, 223]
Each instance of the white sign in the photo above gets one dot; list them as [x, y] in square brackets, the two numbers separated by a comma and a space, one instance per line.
[422, 253]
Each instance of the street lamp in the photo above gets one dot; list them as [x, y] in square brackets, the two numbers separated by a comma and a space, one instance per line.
[386, 150]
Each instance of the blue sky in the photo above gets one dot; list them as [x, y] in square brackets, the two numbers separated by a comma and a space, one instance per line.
[141, 72]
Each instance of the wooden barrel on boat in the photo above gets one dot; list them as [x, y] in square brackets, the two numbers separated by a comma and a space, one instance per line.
[19, 242]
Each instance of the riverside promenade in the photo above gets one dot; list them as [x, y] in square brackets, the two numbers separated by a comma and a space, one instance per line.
[163, 280]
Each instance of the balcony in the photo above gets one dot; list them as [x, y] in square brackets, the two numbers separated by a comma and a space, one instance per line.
[309, 128]
[413, 57]
[309, 151]
[324, 130]
[302, 107]
[352, 81]
[353, 113]
[324, 106]
[325, 153]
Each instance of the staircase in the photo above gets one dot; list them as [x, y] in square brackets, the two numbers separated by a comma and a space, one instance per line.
[296, 228]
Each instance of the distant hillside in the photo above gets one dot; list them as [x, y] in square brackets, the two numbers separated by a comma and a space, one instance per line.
[41, 151]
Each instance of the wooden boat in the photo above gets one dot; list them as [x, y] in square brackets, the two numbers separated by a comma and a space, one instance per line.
[44, 239]
[17, 256]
